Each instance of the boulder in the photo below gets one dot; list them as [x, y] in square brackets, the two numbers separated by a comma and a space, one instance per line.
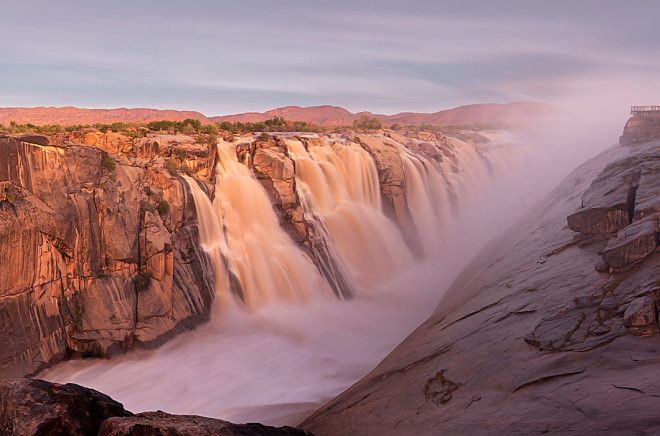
[31, 407]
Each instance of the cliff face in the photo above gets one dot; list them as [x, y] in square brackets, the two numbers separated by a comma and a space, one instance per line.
[552, 327]
[97, 251]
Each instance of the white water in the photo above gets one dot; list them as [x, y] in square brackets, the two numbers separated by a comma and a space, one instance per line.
[339, 183]
[279, 361]
[267, 263]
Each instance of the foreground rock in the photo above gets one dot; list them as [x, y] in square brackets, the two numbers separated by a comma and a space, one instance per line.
[551, 329]
[36, 407]
[161, 423]
[31, 407]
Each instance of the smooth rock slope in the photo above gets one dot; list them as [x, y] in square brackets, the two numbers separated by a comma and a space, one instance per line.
[552, 328]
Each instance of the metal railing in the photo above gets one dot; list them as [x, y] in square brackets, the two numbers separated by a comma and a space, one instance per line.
[637, 110]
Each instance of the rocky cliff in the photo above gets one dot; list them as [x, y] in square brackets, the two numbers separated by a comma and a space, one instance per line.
[552, 328]
[98, 249]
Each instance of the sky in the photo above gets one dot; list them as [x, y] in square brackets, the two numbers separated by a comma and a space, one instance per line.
[222, 57]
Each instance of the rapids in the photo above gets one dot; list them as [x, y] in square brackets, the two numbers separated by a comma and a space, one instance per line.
[299, 345]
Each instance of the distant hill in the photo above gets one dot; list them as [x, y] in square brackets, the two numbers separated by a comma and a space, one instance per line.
[70, 115]
[489, 113]
[327, 116]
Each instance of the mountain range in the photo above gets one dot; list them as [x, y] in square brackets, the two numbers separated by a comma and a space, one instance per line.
[326, 115]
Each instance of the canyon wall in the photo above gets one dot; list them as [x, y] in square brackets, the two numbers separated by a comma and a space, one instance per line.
[108, 242]
[98, 250]
[552, 328]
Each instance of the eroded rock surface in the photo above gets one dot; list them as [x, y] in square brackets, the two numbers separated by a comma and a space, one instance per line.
[539, 334]
[78, 226]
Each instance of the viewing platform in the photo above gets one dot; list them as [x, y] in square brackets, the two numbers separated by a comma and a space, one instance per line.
[645, 110]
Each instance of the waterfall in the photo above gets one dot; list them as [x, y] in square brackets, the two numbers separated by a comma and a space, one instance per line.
[351, 238]
[264, 259]
[277, 362]
[338, 183]
[211, 235]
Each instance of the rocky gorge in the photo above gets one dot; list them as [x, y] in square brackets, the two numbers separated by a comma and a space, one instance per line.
[110, 243]
[99, 238]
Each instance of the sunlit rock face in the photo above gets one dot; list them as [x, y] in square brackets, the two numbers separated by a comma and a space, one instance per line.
[552, 328]
[76, 227]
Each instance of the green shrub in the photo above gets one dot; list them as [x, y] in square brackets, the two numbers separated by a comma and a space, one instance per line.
[107, 162]
[142, 281]
[263, 137]
[146, 206]
[172, 167]
[209, 139]
[367, 123]
[163, 207]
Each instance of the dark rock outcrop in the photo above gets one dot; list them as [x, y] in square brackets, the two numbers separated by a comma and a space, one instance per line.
[163, 424]
[538, 334]
[31, 407]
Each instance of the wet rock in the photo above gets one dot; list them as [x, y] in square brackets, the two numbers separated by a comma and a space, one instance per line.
[35, 139]
[35, 407]
[391, 176]
[163, 424]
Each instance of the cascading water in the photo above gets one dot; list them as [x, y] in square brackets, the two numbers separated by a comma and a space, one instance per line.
[279, 361]
[242, 214]
[339, 184]
[211, 235]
